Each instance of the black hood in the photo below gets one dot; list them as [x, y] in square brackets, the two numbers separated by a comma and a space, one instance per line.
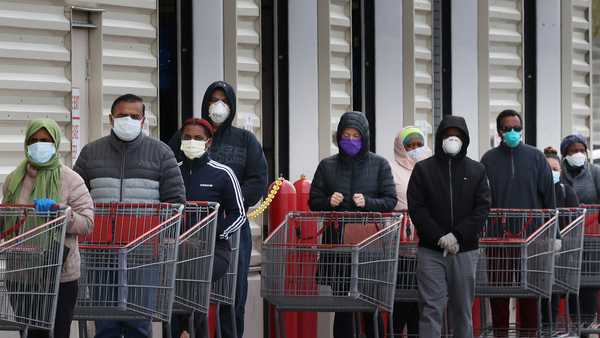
[229, 93]
[358, 121]
[452, 122]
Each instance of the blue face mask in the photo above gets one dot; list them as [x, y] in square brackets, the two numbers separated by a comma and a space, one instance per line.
[41, 152]
[512, 138]
[555, 176]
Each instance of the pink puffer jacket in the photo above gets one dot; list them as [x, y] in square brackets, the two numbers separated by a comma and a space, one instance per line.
[74, 194]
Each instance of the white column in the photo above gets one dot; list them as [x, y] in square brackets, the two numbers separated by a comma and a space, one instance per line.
[464, 68]
[207, 26]
[303, 88]
[388, 75]
[548, 73]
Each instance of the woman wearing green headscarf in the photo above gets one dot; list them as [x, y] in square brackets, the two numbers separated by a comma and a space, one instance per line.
[41, 179]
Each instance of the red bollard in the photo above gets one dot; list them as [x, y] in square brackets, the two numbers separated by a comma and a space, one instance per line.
[283, 203]
[307, 321]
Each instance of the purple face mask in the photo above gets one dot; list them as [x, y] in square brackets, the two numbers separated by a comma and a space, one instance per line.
[350, 147]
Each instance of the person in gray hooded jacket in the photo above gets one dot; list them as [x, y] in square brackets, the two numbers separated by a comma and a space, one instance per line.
[127, 166]
[584, 177]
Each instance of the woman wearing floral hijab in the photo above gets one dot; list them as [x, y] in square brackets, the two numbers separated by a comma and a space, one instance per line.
[41, 179]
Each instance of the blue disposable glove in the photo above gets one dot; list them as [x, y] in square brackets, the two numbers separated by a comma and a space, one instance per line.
[43, 204]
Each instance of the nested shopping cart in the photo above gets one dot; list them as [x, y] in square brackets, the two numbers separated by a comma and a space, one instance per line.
[31, 257]
[342, 262]
[128, 263]
[590, 265]
[223, 291]
[406, 283]
[195, 260]
[567, 266]
[517, 257]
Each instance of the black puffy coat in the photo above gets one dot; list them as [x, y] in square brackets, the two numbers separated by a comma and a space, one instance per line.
[365, 173]
[449, 194]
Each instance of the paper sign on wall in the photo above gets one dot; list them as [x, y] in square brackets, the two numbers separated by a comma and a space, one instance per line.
[75, 123]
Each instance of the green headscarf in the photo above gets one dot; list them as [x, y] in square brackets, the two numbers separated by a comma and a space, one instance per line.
[47, 183]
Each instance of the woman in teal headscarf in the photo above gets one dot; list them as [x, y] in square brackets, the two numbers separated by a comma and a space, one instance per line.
[41, 179]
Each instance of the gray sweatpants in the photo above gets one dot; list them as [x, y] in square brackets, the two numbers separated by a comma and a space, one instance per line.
[446, 280]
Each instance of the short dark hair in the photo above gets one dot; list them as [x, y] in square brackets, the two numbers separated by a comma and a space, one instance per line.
[504, 114]
[129, 98]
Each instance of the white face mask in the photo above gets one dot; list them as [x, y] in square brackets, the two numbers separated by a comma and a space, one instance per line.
[555, 176]
[126, 128]
[452, 145]
[218, 112]
[417, 154]
[193, 148]
[577, 160]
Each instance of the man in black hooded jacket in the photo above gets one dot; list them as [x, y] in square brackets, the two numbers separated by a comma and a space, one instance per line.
[239, 150]
[448, 201]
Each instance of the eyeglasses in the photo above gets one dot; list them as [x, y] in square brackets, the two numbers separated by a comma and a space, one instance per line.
[507, 129]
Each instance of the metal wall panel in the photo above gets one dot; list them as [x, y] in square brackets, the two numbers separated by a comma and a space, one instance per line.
[34, 79]
[505, 60]
[418, 72]
[129, 56]
[335, 68]
[249, 109]
[576, 68]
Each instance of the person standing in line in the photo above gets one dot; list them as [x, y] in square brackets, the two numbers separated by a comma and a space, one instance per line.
[565, 198]
[239, 150]
[448, 202]
[207, 180]
[41, 179]
[584, 177]
[409, 148]
[356, 180]
[520, 178]
[128, 166]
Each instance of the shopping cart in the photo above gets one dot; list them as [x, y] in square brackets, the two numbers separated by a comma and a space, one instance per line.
[31, 258]
[517, 258]
[128, 263]
[567, 264]
[406, 283]
[343, 262]
[195, 260]
[590, 265]
[222, 292]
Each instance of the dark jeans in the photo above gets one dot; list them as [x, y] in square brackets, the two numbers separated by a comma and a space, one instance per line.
[343, 324]
[406, 314]
[242, 288]
[67, 296]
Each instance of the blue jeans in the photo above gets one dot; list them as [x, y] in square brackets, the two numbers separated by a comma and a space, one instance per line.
[242, 287]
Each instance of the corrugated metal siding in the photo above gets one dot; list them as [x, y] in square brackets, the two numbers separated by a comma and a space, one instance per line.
[505, 59]
[129, 55]
[581, 89]
[423, 73]
[34, 78]
[249, 106]
[340, 42]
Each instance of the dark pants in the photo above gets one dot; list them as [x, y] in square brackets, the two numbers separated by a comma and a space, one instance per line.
[67, 296]
[406, 314]
[528, 316]
[343, 325]
[179, 322]
[554, 307]
[242, 288]
[587, 304]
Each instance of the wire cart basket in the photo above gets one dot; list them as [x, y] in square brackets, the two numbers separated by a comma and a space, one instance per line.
[31, 257]
[346, 262]
[567, 263]
[517, 256]
[195, 260]
[128, 262]
[406, 283]
[223, 290]
[590, 265]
